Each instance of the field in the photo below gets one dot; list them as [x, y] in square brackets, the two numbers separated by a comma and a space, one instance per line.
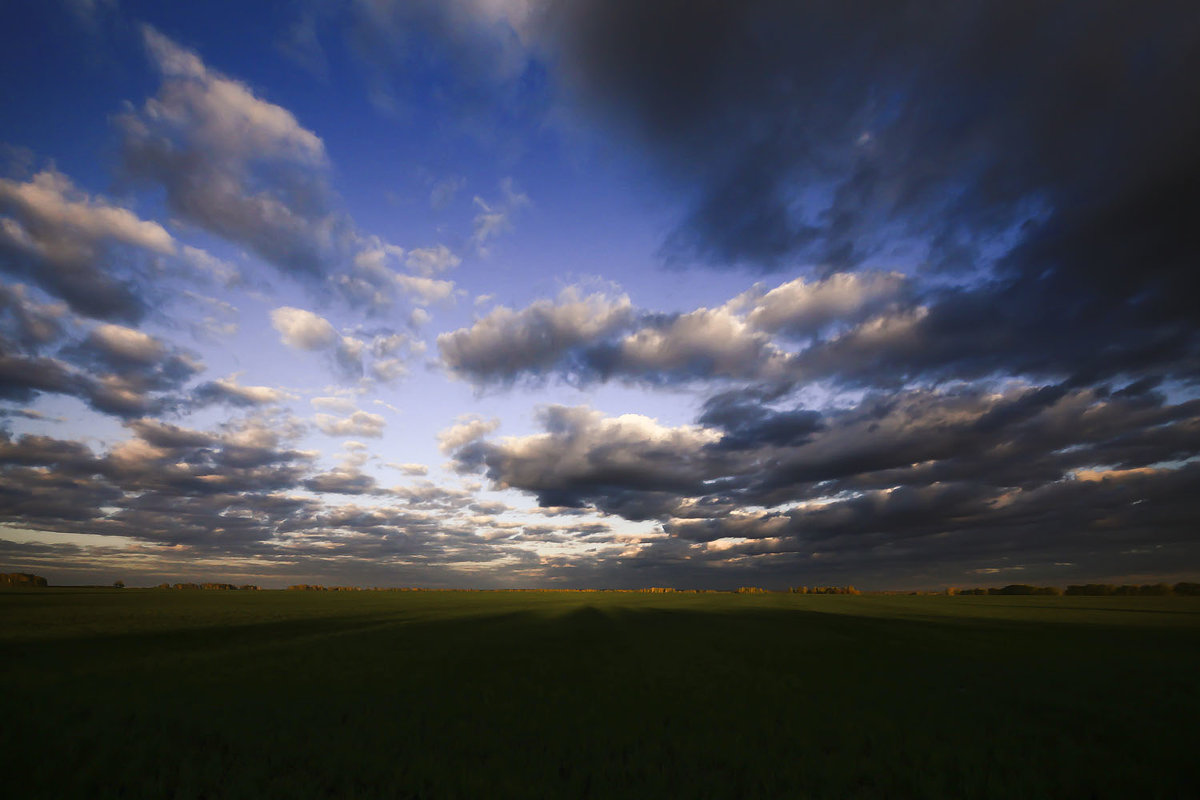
[206, 694]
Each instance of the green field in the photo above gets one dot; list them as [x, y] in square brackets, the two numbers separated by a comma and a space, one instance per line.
[206, 694]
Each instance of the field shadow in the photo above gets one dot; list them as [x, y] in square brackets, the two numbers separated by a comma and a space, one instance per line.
[598, 697]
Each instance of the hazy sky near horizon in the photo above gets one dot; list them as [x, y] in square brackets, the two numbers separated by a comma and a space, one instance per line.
[486, 293]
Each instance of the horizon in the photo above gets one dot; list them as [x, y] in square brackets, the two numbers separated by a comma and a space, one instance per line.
[487, 294]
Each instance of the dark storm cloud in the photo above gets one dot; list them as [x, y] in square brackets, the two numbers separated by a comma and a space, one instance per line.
[1045, 149]
[947, 121]
[747, 422]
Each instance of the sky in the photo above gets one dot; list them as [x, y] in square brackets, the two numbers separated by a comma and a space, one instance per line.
[600, 294]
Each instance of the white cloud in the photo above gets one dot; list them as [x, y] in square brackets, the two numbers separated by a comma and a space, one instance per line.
[429, 261]
[711, 342]
[360, 423]
[804, 307]
[341, 405]
[409, 468]
[425, 290]
[302, 329]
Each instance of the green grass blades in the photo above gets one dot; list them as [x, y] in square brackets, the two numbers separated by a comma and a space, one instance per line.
[193, 694]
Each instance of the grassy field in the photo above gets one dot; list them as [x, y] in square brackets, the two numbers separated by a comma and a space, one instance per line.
[190, 694]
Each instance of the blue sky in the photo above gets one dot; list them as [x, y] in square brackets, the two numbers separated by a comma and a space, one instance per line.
[519, 293]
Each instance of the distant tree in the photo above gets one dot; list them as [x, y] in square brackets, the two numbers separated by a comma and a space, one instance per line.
[118, 584]
[1186, 588]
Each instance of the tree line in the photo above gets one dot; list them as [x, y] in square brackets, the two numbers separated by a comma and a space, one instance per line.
[1185, 588]
[225, 587]
[1088, 590]
[14, 580]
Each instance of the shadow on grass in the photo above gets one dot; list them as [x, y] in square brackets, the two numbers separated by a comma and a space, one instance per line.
[604, 698]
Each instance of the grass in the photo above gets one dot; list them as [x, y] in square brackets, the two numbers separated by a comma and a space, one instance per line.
[192, 694]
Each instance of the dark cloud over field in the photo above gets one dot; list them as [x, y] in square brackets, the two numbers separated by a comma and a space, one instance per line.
[946, 122]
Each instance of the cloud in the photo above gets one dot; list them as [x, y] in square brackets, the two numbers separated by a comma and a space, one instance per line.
[360, 423]
[701, 343]
[886, 108]
[342, 481]
[233, 164]
[230, 391]
[302, 329]
[628, 464]
[803, 308]
[26, 323]
[416, 470]
[429, 261]
[114, 369]
[468, 429]
[505, 344]
[383, 355]
[131, 360]
[375, 279]
[935, 460]
[425, 290]
[77, 247]
[443, 192]
[496, 217]
[397, 39]
[123, 346]
[343, 405]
